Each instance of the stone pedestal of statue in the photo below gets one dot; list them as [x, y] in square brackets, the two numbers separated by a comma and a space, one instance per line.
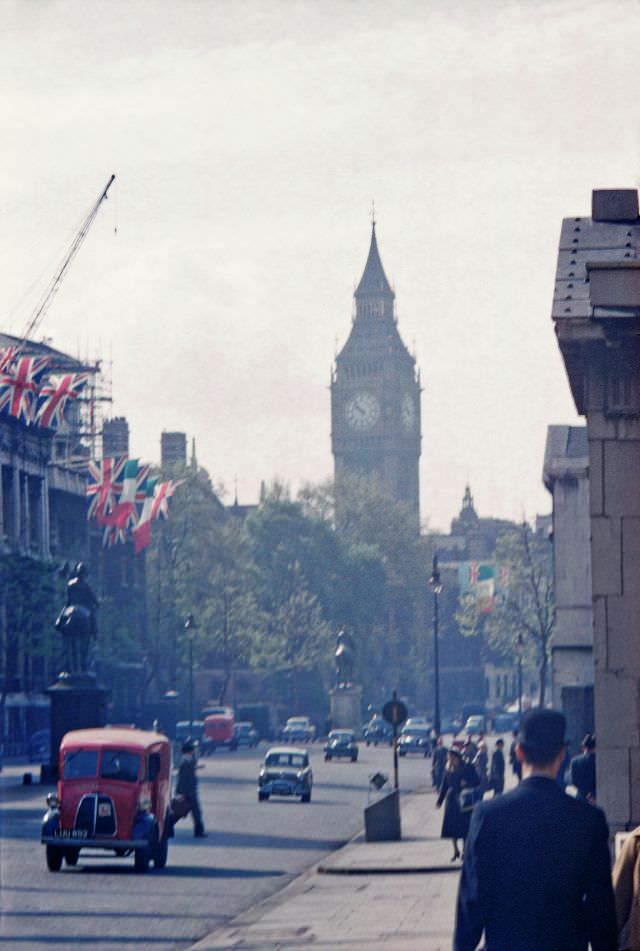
[77, 703]
[346, 707]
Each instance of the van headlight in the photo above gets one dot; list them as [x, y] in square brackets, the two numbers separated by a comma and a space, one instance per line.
[52, 801]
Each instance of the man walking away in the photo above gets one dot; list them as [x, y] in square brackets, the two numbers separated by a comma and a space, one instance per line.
[583, 770]
[536, 873]
[516, 768]
[496, 770]
[187, 786]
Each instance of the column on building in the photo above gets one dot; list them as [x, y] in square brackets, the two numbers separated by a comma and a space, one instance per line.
[566, 476]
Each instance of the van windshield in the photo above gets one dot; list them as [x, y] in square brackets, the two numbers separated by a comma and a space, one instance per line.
[120, 764]
[80, 764]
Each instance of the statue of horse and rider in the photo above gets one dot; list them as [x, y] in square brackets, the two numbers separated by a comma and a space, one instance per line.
[77, 621]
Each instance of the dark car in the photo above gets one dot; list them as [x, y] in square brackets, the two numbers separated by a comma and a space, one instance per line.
[285, 772]
[341, 743]
[245, 735]
[377, 731]
[415, 738]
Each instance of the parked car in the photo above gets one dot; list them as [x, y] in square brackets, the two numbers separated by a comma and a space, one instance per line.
[450, 725]
[378, 731]
[39, 749]
[415, 738]
[285, 772]
[505, 722]
[341, 743]
[245, 734]
[218, 732]
[476, 723]
[298, 730]
[113, 793]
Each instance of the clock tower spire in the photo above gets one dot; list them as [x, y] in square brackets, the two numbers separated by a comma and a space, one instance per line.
[375, 393]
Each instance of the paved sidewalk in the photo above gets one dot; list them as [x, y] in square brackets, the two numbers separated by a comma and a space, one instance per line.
[394, 895]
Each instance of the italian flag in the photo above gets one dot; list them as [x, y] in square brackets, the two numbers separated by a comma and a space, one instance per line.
[142, 531]
[126, 507]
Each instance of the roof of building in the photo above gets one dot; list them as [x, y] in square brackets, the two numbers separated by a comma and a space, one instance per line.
[59, 360]
[374, 280]
[597, 276]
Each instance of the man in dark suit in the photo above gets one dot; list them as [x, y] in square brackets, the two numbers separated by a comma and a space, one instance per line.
[583, 770]
[536, 873]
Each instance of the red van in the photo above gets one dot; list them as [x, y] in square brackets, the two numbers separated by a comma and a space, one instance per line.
[219, 731]
[114, 793]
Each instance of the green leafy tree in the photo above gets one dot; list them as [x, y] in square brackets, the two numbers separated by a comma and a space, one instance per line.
[521, 622]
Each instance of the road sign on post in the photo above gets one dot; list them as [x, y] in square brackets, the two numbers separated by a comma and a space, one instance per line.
[395, 713]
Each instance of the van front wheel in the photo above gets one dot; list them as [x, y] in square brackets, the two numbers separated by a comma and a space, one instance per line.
[54, 858]
[141, 859]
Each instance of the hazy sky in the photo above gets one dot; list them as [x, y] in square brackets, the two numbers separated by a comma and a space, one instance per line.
[248, 140]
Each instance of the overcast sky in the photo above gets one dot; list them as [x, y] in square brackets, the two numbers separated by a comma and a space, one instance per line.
[248, 140]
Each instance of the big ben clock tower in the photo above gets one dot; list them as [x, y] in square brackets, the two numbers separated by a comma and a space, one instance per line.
[375, 393]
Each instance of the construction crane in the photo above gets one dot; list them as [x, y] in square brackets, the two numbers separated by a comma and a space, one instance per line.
[52, 288]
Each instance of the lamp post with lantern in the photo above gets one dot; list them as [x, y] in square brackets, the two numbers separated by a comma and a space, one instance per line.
[190, 627]
[519, 651]
[436, 586]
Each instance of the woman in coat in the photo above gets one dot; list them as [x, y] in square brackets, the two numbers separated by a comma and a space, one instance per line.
[626, 887]
[458, 775]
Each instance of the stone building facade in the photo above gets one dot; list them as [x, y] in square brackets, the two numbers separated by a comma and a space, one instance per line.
[566, 476]
[375, 394]
[596, 311]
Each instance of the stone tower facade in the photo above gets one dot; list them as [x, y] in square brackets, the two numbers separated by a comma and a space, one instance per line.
[375, 394]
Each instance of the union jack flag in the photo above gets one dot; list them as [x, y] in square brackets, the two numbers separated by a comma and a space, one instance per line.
[105, 486]
[162, 494]
[6, 357]
[19, 383]
[54, 396]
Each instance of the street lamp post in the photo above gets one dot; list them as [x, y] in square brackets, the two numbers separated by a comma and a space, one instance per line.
[519, 653]
[190, 628]
[436, 587]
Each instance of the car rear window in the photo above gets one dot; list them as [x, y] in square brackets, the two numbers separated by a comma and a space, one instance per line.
[286, 759]
[80, 764]
[120, 764]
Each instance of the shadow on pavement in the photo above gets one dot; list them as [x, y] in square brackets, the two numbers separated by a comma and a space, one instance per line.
[242, 840]
[177, 871]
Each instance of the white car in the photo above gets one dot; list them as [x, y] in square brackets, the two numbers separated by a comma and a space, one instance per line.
[298, 730]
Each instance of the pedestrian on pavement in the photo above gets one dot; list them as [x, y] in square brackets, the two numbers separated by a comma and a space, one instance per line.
[187, 786]
[537, 872]
[481, 765]
[583, 770]
[469, 749]
[438, 763]
[496, 770]
[626, 887]
[516, 767]
[456, 792]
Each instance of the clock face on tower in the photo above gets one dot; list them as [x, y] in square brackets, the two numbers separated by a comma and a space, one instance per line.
[362, 411]
[408, 412]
